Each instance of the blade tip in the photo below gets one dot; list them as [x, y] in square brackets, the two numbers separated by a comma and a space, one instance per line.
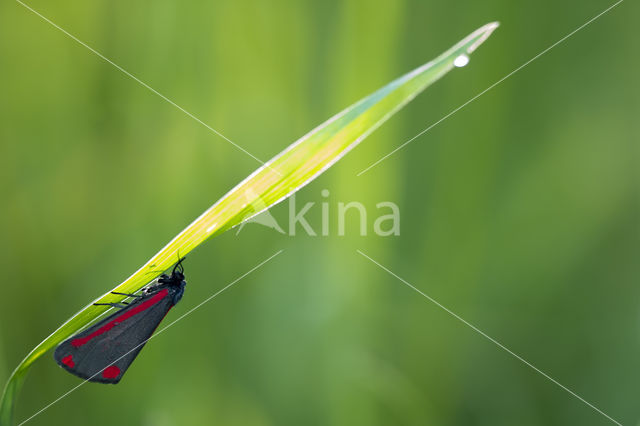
[481, 34]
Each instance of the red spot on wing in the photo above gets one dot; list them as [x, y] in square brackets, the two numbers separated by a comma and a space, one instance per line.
[128, 314]
[68, 361]
[111, 372]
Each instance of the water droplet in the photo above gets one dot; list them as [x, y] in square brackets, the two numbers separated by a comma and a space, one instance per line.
[461, 61]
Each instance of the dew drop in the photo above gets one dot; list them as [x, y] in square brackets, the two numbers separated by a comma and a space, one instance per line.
[461, 61]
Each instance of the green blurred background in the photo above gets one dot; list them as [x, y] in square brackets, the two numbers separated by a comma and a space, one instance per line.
[521, 212]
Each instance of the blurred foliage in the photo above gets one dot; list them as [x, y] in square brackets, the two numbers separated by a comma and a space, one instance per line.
[520, 212]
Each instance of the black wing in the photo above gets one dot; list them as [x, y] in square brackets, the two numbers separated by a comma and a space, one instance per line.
[103, 352]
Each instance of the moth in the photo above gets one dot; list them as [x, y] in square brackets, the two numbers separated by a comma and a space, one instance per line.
[104, 351]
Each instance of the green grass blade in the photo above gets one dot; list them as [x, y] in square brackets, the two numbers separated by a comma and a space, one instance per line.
[286, 173]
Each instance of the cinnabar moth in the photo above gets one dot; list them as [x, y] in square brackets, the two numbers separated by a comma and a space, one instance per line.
[103, 352]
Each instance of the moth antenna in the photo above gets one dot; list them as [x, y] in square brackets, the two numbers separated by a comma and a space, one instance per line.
[178, 267]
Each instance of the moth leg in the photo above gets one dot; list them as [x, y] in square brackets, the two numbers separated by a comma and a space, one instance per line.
[113, 305]
[125, 294]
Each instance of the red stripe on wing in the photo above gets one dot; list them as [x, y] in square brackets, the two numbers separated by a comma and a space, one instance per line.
[131, 312]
